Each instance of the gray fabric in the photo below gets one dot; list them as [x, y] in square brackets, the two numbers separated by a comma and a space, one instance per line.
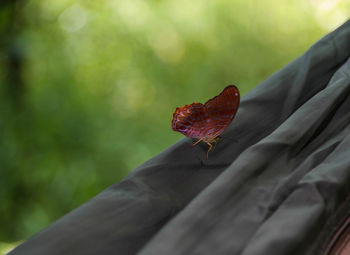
[277, 183]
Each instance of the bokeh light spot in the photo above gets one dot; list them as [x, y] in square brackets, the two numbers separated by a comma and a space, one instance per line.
[168, 46]
[73, 18]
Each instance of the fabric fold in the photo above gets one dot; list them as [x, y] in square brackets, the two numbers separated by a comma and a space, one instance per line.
[277, 183]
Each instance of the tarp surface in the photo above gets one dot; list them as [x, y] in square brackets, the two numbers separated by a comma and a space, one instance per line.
[278, 183]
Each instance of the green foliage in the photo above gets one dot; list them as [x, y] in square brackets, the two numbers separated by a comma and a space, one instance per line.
[101, 80]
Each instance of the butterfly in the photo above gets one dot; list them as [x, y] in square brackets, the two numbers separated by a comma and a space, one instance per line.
[206, 122]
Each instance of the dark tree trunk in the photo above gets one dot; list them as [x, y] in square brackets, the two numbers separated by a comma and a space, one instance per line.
[12, 51]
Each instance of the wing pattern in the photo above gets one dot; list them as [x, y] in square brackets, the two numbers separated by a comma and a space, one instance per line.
[207, 121]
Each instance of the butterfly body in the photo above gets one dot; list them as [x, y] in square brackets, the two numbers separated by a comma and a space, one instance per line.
[207, 121]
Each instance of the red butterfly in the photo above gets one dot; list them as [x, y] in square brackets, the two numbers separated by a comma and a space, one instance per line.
[206, 122]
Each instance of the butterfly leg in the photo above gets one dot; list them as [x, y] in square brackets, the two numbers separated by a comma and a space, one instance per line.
[198, 142]
[214, 145]
[211, 146]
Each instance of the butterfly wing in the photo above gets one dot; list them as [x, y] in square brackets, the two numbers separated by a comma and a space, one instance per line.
[222, 109]
[210, 120]
[190, 120]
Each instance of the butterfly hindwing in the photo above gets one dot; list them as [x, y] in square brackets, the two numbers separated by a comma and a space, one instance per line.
[190, 120]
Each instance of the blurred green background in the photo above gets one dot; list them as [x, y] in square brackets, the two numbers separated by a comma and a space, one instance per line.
[88, 88]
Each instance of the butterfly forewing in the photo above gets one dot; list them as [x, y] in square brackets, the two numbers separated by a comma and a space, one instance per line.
[222, 109]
